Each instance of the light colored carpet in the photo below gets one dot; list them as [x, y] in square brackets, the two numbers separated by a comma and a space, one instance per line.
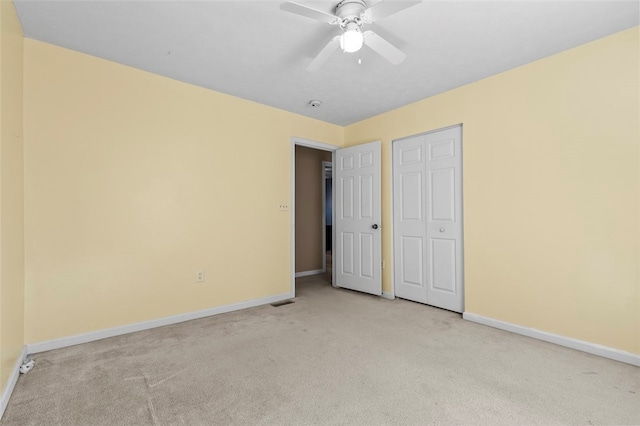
[332, 357]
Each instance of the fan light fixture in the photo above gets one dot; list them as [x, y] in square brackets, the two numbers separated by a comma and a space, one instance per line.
[351, 15]
[352, 38]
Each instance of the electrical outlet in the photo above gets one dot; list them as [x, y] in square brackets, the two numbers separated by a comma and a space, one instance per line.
[283, 207]
[200, 276]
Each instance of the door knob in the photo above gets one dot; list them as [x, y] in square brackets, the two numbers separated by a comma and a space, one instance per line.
[374, 226]
[441, 229]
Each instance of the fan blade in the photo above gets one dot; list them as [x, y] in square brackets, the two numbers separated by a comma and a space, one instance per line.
[383, 48]
[383, 9]
[309, 12]
[324, 54]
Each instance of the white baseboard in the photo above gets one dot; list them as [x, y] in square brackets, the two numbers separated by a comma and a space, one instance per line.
[11, 382]
[64, 342]
[580, 345]
[388, 295]
[307, 273]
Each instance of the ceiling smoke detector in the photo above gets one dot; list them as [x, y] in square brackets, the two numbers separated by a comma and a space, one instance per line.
[315, 103]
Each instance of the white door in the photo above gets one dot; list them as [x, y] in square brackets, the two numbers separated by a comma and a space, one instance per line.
[427, 203]
[357, 215]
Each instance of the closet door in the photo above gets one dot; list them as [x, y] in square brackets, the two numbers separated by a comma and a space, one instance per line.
[409, 218]
[427, 196]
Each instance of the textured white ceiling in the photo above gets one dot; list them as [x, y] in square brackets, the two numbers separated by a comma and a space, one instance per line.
[253, 50]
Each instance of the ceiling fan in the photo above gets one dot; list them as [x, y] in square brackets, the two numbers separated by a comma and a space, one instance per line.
[351, 15]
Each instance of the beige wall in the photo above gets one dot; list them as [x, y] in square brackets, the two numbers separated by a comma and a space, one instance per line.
[551, 189]
[309, 208]
[11, 192]
[133, 182]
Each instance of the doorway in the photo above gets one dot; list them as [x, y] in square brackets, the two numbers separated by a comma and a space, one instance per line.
[311, 184]
[327, 216]
[356, 216]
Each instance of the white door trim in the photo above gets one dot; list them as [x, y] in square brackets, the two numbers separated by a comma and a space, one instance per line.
[292, 208]
[461, 125]
[391, 295]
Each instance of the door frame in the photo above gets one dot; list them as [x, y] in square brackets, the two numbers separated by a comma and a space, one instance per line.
[393, 248]
[292, 208]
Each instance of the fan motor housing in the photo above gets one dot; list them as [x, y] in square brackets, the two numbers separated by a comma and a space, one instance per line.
[350, 9]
